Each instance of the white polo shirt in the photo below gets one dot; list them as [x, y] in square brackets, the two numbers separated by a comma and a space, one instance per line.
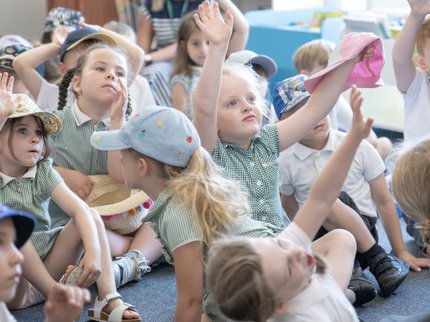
[300, 166]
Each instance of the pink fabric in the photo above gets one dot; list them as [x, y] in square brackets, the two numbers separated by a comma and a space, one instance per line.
[366, 73]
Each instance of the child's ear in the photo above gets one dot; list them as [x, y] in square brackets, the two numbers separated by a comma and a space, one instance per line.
[305, 72]
[419, 60]
[76, 85]
[281, 308]
[142, 166]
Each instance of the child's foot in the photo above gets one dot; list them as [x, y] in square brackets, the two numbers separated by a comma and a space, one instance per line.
[112, 308]
[363, 289]
[130, 267]
[389, 272]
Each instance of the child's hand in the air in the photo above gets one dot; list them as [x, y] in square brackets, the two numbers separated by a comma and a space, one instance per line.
[212, 24]
[7, 107]
[360, 125]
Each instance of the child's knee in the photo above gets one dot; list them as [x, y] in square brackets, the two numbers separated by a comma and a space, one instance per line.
[345, 238]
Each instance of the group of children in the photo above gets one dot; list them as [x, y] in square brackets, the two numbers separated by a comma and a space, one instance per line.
[276, 218]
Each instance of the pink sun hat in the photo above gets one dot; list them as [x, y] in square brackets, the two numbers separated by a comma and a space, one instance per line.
[366, 73]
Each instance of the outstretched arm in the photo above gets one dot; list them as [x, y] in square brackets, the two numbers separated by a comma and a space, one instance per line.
[326, 188]
[322, 100]
[206, 94]
[404, 68]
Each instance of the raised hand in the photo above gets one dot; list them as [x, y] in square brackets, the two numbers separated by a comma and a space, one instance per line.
[211, 22]
[7, 107]
[59, 34]
[360, 125]
[119, 107]
[420, 7]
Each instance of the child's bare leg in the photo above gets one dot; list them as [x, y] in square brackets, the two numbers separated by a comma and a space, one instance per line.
[67, 250]
[344, 217]
[146, 241]
[118, 244]
[106, 282]
[339, 248]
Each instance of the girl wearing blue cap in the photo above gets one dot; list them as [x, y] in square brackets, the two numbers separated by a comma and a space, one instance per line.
[28, 181]
[64, 302]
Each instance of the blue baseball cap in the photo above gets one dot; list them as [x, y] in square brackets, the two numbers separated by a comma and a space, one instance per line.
[162, 133]
[80, 35]
[24, 223]
[288, 93]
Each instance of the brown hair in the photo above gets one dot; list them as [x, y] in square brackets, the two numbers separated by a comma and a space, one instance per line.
[183, 61]
[77, 71]
[423, 35]
[312, 53]
[410, 184]
[9, 128]
[214, 200]
[237, 283]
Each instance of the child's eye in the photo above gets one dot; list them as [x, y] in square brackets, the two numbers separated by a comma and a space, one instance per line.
[22, 130]
[120, 74]
[232, 103]
[39, 133]
[196, 43]
[251, 99]
[100, 69]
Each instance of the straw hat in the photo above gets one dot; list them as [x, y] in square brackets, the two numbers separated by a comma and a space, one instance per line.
[121, 208]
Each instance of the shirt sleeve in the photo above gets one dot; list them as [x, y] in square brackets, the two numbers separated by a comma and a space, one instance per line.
[373, 165]
[295, 234]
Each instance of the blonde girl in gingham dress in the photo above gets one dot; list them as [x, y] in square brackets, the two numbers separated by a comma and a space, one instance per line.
[28, 181]
[227, 114]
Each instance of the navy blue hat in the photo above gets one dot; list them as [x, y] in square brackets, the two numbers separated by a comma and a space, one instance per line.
[288, 93]
[24, 223]
[80, 35]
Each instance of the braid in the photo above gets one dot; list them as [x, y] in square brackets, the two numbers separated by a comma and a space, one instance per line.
[425, 231]
[129, 109]
[64, 87]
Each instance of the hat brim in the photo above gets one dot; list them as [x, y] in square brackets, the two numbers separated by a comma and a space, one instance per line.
[51, 122]
[99, 36]
[108, 140]
[268, 64]
[312, 81]
[24, 224]
[133, 201]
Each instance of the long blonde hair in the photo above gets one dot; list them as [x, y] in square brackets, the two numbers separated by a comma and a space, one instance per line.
[214, 200]
[237, 283]
[410, 183]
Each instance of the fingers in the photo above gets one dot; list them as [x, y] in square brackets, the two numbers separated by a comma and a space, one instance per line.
[6, 83]
[88, 277]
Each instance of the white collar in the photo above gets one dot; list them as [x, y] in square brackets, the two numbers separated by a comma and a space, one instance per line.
[5, 179]
[81, 117]
[303, 152]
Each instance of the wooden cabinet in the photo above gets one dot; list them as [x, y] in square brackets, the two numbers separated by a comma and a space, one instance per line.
[96, 12]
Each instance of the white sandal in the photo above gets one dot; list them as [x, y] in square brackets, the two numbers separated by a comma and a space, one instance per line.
[96, 314]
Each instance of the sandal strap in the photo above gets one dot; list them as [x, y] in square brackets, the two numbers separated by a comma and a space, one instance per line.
[118, 312]
[100, 304]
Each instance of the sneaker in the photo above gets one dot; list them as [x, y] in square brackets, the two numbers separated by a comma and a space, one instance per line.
[389, 271]
[363, 289]
[130, 267]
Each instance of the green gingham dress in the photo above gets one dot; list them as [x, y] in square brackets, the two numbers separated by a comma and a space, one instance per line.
[257, 168]
[73, 150]
[174, 226]
[32, 193]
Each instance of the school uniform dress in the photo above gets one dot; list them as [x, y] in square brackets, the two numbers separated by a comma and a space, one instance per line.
[32, 193]
[322, 300]
[73, 150]
[300, 166]
[417, 107]
[257, 168]
[175, 226]
[189, 83]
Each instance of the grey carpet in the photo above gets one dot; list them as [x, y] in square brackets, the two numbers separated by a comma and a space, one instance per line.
[155, 295]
